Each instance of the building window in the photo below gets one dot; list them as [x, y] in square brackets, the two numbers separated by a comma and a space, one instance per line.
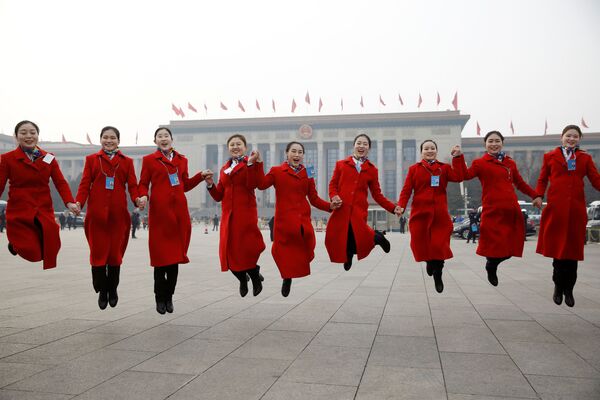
[389, 184]
[389, 151]
[409, 154]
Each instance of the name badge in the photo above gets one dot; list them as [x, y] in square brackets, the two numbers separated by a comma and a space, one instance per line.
[110, 183]
[435, 181]
[48, 158]
[310, 171]
[571, 165]
[174, 179]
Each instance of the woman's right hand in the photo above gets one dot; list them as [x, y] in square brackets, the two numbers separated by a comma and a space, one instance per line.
[254, 157]
[336, 201]
[209, 180]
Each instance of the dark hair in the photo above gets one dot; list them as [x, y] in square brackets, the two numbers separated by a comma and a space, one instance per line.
[20, 124]
[428, 140]
[110, 128]
[290, 144]
[363, 135]
[237, 135]
[161, 128]
[569, 127]
[490, 133]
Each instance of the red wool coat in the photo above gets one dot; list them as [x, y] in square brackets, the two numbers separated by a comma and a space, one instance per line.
[29, 200]
[293, 234]
[240, 242]
[353, 187]
[107, 221]
[502, 228]
[169, 223]
[430, 224]
[562, 227]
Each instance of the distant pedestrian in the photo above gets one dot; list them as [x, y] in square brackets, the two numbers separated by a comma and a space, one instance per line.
[2, 220]
[525, 219]
[402, 224]
[473, 226]
[63, 221]
[215, 222]
[70, 221]
[135, 222]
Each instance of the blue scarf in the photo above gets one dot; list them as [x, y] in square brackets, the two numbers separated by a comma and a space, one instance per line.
[109, 153]
[570, 150]
[33, 154]
[237, 159]
[500, 156]
[295, 169]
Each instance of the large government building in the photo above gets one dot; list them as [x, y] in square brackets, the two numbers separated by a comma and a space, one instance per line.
[326, 138]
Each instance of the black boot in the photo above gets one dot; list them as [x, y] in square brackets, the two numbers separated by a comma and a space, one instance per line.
[169, 304]
[286, 286]
[570, 278]
[429, 268]
[437, 276]
[161, 306]
[492, 269]
[113, 282]
[557, 278]
[99, 281]
[243, 277]
[348, 264]
[382, 241]
[160, 289]
[256, 283]
[11, 250]
[172, 273]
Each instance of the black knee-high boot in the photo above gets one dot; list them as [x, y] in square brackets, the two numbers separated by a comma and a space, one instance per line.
[437, 275]
[172, 273]
[100, 283]
[160, 283]
[557, 278]
[256, 282]
[491, 266]
[243, 278]
[112, 282]
[429, 267]
[570, 278]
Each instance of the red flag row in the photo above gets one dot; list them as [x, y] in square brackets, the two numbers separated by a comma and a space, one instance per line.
[512, 128]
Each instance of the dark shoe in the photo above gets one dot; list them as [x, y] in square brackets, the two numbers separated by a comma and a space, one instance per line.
[262, 278]
[429, 269]
[558, 295]
[11, 250]
[169, 305]
[244, 287]
[161, 307]
[439, 284]
[382, 241]
[113, 298]
[492, 275]
[348, 264]
[256, 282]
[285, 287]
[569, 299]
[103, 299]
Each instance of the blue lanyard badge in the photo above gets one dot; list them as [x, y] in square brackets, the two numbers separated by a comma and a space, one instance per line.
[174, 179]
[435, 181]
[310, 171]
[110, 183]
[571, 164]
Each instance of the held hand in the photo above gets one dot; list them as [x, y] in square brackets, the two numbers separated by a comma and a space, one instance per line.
[142, 201]
[456, 151]
[74, 208]
[398, 211]
[254, 157]
[206, 173]
[537, 202]
[334, 205]
[209, 180]
[337, 201]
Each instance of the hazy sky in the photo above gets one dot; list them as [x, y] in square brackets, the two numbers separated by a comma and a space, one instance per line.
[76, 66]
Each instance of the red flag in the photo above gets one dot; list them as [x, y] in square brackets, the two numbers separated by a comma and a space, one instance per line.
[181, 113]
[400, 99]
[63, 139]
[88, 138]
[273, 104]
[175, 109]
[205, 108]
[583, 123]
[191, 107]
[420, 101]
[381, 101]
[257, 105]
[342, 104]
[478, 129]
[546, 127]
[438, 99]
[223, 107]
[455, 101]
[293, 105]
[307, 98]
[512, 128]
[241, 106]
[320, 104]
[362, 104]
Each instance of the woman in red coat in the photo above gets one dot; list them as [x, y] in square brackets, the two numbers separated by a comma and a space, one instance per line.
[294, 236]
[31, 228]
[430, 224]
[107, 221]
[240, 242]
[501, 229]
[562, 227]
[347, 230]
[165, 179]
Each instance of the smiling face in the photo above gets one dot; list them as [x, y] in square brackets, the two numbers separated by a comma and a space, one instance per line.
[236, 147]
[27, 136]
[493, 144]
[361, 147]
[295, 155]
[109, 140]
[570, 138]
[163, 140]
[429, 151]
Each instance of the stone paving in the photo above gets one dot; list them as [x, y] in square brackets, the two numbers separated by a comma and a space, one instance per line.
[378, 331]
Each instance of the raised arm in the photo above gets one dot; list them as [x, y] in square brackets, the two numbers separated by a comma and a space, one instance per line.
[472, 171]
[458, 170]
[256, 177]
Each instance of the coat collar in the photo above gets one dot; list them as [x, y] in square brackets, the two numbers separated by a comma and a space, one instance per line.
[237, 167]
[118, 155]
[350, 161]
[285, 167]
[160, 156]
[493, 159]
[20, 155]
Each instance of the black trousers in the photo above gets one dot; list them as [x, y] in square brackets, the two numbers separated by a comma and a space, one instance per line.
[105, 277]
[472, 235]
[165, 280]
[565, 273]
[494, 262]
[350, 244]
[436, 265]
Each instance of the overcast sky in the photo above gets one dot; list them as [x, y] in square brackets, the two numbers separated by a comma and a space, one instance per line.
[76, 66]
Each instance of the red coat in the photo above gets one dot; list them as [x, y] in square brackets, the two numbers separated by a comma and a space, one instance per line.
[562, 227]
[240, 242]
[107, 222]
[502, 228]
[430, 224]
[169, 223]
[29, 199]
[293, 233]
[353, 187]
